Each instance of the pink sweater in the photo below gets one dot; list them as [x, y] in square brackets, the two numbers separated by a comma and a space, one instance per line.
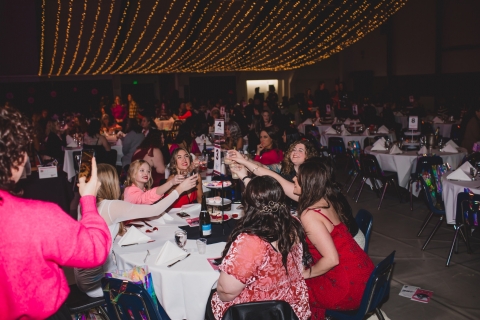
[36, 238]
[134, 194]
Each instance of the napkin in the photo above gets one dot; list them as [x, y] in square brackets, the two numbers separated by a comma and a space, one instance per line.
[437, 120]
[308, 121]
[192, 209]
[132, 236]
[451, 143]
[72, 145]
[169, 253]
[423, 150]
[395, 150]
[330, 131]
[348, 121]
[383, 129]
[366, 132]
[379, 145]
[162, 219]
[461, 173]
[345, 132]
[449, 148]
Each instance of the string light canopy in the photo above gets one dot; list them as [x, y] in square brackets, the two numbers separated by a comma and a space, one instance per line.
[102, 37]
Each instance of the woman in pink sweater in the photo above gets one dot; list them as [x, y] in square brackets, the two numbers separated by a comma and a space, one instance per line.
[36, 237]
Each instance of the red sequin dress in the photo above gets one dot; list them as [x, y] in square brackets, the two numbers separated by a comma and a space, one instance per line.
[342, 287]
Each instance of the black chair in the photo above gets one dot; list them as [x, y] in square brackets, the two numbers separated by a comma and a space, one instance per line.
[424, 163]
[261, 310]
[130, 301]
[336, 147]
[355, 170]
[456, 133]
[364, 221]
[377, 289]
[373, 172]
[437, 209]
[79, 302]
[464, 223]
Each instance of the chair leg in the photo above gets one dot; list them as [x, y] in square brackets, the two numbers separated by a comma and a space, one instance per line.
[439, 223]
[361, 188]
[457, 229]
[466, 238]
[383, 195]
[353, 180]
[410, 188]
[427, 220]
[379, 314]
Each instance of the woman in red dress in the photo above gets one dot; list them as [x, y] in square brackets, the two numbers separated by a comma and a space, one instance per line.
[267, 151]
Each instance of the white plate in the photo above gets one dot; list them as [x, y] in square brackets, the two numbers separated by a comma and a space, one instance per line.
[216, 184]
[210, 202]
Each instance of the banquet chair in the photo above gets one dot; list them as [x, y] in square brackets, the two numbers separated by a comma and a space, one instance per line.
[463, 223]
[356, 170]
[438, 210]
[336, 147]
[376, 290]
[79, 302]
[424, 163]
[373, 172]
[127, 300]
[456, 133]
[364, 221]
[260, 310]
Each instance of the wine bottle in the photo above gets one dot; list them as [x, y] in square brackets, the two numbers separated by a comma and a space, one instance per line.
[204, 151]
[204, 220]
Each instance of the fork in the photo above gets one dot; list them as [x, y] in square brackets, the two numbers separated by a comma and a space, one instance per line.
[148, 253]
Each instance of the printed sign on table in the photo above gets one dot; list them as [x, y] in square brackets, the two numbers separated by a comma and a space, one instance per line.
[217, 161]
[219, 127]
[413, 123]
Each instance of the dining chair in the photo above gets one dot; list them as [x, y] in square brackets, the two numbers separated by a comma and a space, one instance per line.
[127, 300]
[261, 310]
[464, 221]
[456, 133]
[373, 172]
[336, 148]
[79, 302]
[437, 209]
[424, 163]
[355, 170]
[376, 291]
[364, 221]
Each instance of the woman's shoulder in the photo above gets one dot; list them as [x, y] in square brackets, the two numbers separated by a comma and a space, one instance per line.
[249, 240]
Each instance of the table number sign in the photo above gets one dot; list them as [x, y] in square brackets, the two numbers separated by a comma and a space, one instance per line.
[217, 160]
[329, 110]
[219, 127]
[413, 123]
[355, 110]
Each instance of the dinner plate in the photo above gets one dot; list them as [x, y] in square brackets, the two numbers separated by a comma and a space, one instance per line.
[216, 184]
[210, 202]
[217, 217]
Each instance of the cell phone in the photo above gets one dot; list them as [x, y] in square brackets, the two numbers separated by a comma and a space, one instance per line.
[183, 215]
[86, 164]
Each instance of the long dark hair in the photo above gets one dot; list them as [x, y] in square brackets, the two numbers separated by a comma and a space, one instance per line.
[272, 132]
[185, 135]
[93, 128]
[152, 140]
[267, 217]
[316, 179]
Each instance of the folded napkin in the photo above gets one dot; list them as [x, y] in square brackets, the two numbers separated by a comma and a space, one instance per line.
[308, 121]
[348, 121]
[437, 120]
[161, 220]
[461, 173]
[169, 253]
[366, 132]
[383, 129]
[379, 145]
[72, 145]
[423, 150]
[449, 148]
[395, 150]
[330, 130]
[451, 143]
[345, 133]
[132, 236]
[192, 209]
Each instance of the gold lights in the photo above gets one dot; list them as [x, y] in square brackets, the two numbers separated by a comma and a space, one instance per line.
[153, 36]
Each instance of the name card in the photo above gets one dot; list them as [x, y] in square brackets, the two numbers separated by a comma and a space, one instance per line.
[217, 160]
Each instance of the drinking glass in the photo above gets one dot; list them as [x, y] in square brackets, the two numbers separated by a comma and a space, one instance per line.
[184, 173]
[235, 167]
[225, 160]
[202, 245]
[181, 238]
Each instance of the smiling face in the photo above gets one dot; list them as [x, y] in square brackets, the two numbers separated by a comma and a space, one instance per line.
[143, 174]
[265, 140]
[183, 160]
[298, 154]
[296, 187]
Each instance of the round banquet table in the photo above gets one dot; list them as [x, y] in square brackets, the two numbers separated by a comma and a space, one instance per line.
[445, 129]
[451, 189]
[183, 289]
[360, 138]
[406, 163]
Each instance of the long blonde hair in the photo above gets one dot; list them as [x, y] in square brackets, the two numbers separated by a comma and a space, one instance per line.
[110, 184]
[132, 171]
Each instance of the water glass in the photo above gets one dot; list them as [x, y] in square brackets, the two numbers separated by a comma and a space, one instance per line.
[202, 245]
[181, 238]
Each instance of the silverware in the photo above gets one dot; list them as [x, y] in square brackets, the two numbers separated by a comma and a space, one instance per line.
[132, 244]
[148, 253]
[178, 260]
[148, 224]
[135, 225]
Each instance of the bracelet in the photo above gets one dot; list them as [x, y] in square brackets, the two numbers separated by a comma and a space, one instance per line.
[253, 171]
[243, 179]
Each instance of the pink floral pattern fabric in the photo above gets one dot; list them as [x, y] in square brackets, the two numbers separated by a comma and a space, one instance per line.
[256, 263]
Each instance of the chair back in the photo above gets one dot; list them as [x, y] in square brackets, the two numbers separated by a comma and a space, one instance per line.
[261, 310]
[425, 163]
[468, 204]
[355, 161]
[431, 202]
[336, 145]
[127, 300]
[176, 125]
[364, 221]
[371, 167]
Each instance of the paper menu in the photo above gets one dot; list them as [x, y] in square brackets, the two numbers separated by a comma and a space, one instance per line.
[408, 291]
[422, 296]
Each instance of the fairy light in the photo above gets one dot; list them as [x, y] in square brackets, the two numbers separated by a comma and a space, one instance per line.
[67, 34]
[42, 40]
[56, 37]
[92, 35]
[79, 38]
[105, 29]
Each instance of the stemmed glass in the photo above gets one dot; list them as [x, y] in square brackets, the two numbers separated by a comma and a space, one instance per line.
[181, 238]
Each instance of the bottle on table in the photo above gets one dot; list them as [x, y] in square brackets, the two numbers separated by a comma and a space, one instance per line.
[205, 223]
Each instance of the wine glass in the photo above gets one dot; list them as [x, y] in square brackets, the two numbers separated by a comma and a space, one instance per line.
[181, 238]
[184, 173]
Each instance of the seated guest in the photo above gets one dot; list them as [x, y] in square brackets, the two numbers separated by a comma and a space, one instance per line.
[186, 139]
[35, 286]
[266, 119]
[472, 129]
[114, 212]
[262, 259]
[139, 182]
[149, 150]
[109, 124]
[131, 141]
[234, 139]
[184, 114]
[181, 163]
[93, 137]
[267, 151]
[119, 111]
[55, 141]
[147, 124]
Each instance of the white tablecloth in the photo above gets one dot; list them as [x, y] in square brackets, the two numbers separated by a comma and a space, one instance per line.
[68, 160]
[451, 189]
[403, 120]
[164, 124]
[360, 138]
[406, 163]
[444, 128]
[183, 289]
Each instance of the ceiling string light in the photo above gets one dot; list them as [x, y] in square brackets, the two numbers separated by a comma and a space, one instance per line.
[79, 38]
[42, 39]
[56, 37]
[67, 34]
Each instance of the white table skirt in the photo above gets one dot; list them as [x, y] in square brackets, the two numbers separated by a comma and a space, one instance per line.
[68, 160]
[451, 189]
[360, 138]
[406, 163]
[183, 289]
